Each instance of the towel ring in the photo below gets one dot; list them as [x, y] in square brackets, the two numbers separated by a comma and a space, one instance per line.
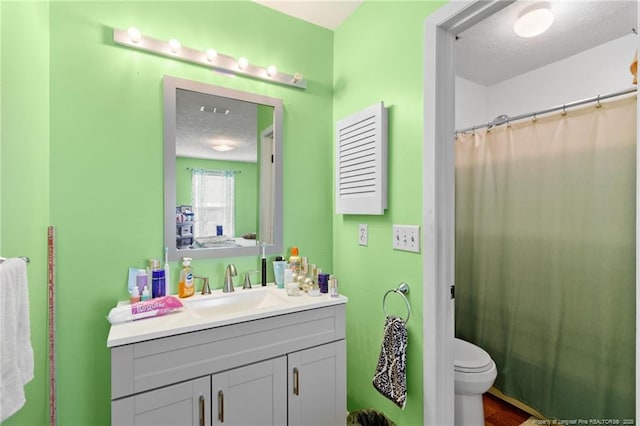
[402, 290]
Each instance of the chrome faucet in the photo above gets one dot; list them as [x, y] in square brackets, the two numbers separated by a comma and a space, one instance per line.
[230, 272]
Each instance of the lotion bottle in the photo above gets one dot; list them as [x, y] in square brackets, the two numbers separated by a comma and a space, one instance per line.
[295, 261]
[185, 285]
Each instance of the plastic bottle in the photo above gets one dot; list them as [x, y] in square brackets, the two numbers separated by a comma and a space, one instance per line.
[145, 294]
[158, 288]
[185, 285]
[294, 261]
[141, 280]
[135, 296]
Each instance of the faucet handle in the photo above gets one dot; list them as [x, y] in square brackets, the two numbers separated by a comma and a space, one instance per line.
[205, 284]
[247, 280]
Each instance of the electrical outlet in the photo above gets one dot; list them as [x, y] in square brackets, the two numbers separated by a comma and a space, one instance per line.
[406, 238]
[363, 235]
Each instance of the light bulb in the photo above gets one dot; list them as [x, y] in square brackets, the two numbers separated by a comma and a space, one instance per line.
[533, 20]
[272, 70]
[134, 34]
[211, 55]
[243, 63]
[174, 45]
[297, 77]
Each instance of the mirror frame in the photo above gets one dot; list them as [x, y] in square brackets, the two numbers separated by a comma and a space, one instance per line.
[170, 85]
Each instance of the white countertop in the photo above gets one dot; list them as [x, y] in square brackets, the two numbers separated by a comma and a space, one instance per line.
[191, 318]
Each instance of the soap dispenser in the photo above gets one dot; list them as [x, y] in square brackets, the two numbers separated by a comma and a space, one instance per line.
[185, 285]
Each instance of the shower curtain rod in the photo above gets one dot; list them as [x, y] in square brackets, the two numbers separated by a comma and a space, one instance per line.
[504, 119]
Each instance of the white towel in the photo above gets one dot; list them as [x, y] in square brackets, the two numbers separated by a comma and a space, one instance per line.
[16, 353]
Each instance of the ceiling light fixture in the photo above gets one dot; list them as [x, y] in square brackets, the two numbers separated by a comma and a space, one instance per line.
[222, 147]
[533, 20]
[214, 110]
[210, 58]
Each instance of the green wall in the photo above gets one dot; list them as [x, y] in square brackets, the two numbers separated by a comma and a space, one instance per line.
[24, 174]
[246, 188]
[93, 167]
[378, 56]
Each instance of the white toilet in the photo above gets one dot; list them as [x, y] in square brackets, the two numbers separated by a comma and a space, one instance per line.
[474, 374]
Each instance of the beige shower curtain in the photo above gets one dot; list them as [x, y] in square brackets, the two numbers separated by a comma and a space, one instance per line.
[545, 258]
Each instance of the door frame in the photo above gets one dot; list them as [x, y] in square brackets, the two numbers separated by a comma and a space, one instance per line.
[440, 29]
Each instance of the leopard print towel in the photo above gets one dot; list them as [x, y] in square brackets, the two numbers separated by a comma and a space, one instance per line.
[391, 375]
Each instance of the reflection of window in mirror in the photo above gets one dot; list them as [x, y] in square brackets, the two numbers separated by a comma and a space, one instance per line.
[243, 210]
[213, 195]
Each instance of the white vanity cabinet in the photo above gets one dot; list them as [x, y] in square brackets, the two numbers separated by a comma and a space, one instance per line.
[286, 369]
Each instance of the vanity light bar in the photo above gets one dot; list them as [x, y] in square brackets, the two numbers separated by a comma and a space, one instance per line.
[229, 64]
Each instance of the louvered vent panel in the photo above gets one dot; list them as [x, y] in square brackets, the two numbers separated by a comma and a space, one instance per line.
[361, 162]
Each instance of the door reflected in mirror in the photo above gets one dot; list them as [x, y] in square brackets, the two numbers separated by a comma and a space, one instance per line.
[227, 182]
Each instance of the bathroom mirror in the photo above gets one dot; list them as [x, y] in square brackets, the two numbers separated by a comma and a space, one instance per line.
[222, 171]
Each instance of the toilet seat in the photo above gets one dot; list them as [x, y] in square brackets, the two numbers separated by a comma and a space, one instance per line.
[469, 358]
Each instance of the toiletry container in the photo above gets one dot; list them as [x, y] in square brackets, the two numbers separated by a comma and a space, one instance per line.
[278, 272]
[295, 260]
[141, 280]
[145, 294]
[135, 296]
[474, 374]
[158, 283]
[185, 285]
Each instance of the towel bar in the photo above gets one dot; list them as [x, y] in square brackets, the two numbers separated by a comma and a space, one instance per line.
[402, 290]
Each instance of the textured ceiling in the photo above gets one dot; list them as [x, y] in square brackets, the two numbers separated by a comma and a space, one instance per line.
[491, 52]
[328, 13]
[197, 130]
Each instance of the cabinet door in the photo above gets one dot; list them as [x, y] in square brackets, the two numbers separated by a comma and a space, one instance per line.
[187, 403]
[252, 395]
[317, 385]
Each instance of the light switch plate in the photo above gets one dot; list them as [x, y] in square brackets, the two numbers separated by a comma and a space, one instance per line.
[406, 238]
[363, 235]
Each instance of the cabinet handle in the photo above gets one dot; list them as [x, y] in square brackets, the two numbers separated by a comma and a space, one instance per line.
[202, 413]
[221, 406]
[296, 381]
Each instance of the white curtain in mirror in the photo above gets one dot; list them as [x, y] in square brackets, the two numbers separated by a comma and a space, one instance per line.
[213, 196]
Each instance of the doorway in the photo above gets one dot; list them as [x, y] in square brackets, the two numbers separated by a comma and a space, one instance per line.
[441, 29]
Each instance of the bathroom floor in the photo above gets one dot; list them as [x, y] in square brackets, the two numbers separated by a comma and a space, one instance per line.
[500, 413]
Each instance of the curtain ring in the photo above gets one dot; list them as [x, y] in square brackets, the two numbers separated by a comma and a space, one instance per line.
[598, 104]
[564, 110]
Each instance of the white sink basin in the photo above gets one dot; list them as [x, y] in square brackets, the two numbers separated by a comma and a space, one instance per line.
[240, 301]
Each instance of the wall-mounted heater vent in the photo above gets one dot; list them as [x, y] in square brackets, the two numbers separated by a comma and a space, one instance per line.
[361, 162]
